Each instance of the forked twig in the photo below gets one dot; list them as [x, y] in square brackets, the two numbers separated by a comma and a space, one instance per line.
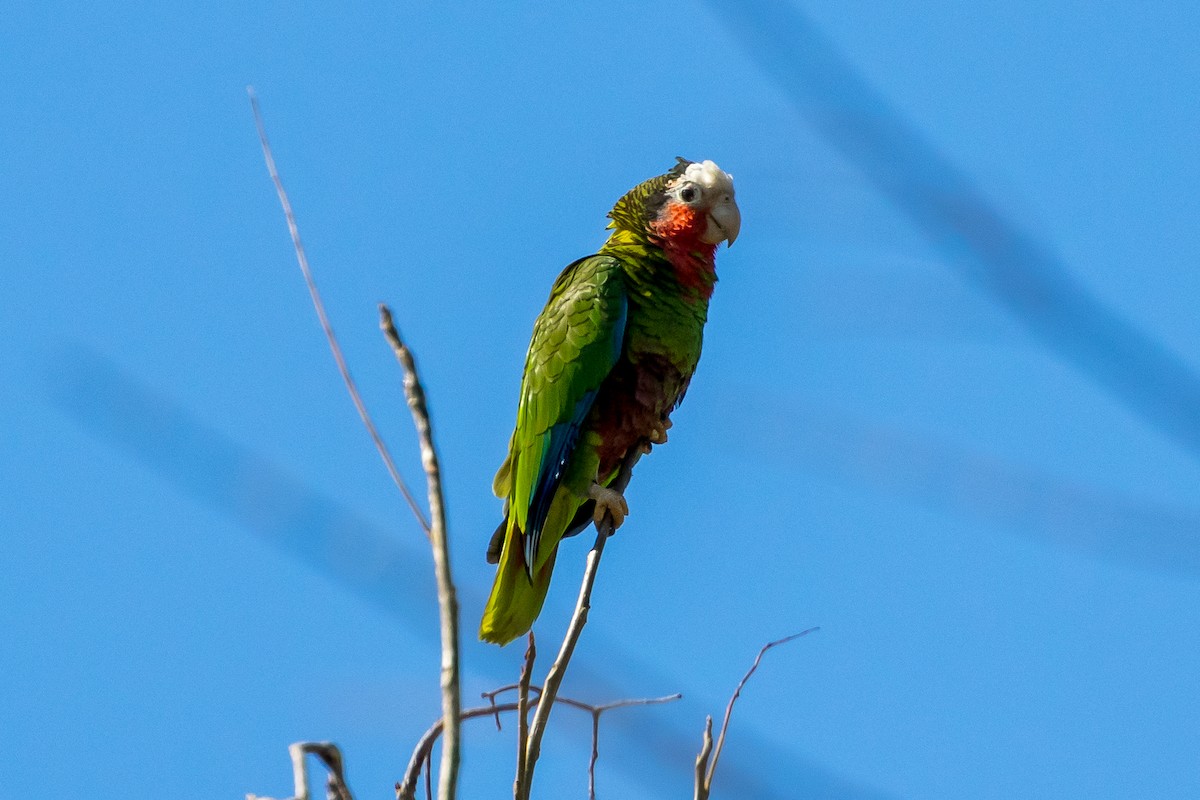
[447, 597]
[406, 787]
[319, 305]
[705, 769]
[596, 711]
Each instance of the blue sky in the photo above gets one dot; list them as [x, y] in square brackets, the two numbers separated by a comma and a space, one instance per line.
[204, 560]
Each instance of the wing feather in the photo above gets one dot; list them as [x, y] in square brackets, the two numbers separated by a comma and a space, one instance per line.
[576, 341]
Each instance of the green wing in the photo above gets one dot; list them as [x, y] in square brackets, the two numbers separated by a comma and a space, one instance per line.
[576, 341]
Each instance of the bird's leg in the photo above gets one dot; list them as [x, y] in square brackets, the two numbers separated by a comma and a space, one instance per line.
[608, 501]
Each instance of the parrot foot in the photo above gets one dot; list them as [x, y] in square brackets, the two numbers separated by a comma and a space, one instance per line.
[658, 434]
[609, 502]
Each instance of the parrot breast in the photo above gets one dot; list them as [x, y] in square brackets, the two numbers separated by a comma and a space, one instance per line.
[633, 402]
[661, 349]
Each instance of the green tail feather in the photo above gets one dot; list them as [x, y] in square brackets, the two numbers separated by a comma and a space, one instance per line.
[515, 601]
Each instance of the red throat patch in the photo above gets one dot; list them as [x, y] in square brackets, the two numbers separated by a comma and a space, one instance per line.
[679, 228]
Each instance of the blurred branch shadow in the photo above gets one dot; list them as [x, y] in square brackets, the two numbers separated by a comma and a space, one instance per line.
[1098, 522]
[992, 252]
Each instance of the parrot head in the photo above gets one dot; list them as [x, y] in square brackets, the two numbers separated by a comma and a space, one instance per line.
[690, 205]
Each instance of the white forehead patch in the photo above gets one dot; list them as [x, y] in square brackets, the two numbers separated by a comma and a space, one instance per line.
[709, 177]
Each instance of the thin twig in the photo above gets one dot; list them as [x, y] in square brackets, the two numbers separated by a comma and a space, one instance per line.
[582, 706]
[706, 746]
[596, 712]
[406, 787]
[557, 671]
[712, 766]
[595, 756]
[319, 305]
[447, 598]
[648, 701]
[509, 687]
[554, 678]
[492, 699]
[523, 717]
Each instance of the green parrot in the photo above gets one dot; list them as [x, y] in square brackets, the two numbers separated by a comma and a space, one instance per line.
[611, 357]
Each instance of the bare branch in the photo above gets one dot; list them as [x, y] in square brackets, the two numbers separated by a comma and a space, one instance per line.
[330, 756]
[554, 677]
[491, 698]
[595, 755]
[508, 687]
[716, 753]
[406, 788]
[582, 706]
[649, 701]
[701, 792]
[519, 791]
[596, 712]
[319, 305]
[558, 669]
[447, 598]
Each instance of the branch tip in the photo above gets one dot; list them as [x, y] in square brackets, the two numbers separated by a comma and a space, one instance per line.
[319, 305]
[704, 775]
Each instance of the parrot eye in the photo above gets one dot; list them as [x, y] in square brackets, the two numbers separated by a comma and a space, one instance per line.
[689, 193]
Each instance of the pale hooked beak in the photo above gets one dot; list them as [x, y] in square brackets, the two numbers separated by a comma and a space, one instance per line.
[724, 222]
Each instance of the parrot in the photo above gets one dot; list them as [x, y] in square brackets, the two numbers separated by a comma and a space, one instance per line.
[611, 356]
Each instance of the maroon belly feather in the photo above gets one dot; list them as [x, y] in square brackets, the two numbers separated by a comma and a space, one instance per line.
[634, 401]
